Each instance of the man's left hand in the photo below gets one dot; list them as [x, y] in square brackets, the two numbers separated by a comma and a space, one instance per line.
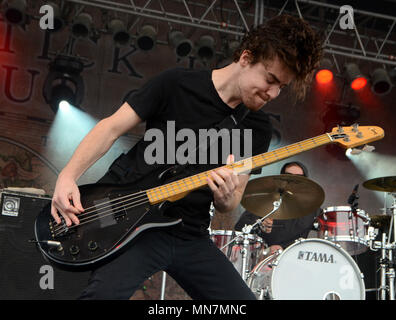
[227, 187]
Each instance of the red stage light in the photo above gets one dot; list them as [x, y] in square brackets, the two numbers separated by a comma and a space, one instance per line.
[324, 76]
[358, 83]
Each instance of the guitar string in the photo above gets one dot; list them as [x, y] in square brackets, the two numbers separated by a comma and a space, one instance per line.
[85, 216]
[107, 204]
[102, 214]
[66, 229]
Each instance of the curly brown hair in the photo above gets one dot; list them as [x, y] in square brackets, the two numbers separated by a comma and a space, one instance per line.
[293, 41]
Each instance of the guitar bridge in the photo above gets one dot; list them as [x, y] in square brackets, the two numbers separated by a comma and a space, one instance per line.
[58, 230]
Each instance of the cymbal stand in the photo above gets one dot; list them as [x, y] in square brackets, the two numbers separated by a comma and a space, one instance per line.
[387, 271]
[247, 228]
[246, 231]
[211, 214]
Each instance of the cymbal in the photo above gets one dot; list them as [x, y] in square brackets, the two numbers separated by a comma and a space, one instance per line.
[385, 184]
[301, 196]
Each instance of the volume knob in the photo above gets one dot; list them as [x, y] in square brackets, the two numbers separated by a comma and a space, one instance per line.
[74, 250]
[92, 245]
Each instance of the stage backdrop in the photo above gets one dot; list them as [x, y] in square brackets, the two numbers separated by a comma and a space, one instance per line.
[35, 144]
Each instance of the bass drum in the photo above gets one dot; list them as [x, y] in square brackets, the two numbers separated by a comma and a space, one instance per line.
[309, 269]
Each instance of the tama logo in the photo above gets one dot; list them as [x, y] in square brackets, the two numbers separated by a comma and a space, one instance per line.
[315, 256]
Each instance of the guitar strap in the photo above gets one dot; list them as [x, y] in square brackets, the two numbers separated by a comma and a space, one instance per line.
[120, 168]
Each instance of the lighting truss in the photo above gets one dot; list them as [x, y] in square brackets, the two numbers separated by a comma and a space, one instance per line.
[235, 17]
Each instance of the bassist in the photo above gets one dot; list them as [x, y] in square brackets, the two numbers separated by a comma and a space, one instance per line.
[284, 51]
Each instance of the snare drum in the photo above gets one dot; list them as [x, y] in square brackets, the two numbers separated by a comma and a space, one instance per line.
[309, 269]
[347, 228]
[233, 250]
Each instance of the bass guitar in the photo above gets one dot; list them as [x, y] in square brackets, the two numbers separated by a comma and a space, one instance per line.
[116, 214]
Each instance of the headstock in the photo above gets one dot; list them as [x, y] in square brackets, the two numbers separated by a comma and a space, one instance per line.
[353, 136]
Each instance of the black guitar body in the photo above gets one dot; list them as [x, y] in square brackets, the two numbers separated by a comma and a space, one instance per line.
[116, 214]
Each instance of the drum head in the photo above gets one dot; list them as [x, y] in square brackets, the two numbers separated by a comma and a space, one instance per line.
[316, 269]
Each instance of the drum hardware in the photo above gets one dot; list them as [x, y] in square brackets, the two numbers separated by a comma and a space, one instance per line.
[262, 294]
[163, 285]
[372, 233]
[248, 245]
[387, 271]
[211, 215]
[246, 230]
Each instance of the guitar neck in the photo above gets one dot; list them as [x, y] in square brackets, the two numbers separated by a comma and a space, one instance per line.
[179, 188]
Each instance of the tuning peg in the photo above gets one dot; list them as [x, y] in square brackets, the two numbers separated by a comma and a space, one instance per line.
[355, 127]
[340, 129]
[368, 148]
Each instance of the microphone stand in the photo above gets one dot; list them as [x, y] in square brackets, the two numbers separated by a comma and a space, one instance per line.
[352, 200]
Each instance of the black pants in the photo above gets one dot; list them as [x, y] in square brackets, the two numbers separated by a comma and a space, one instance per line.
[198, 266]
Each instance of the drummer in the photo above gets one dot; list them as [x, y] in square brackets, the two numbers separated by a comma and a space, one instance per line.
[279, 234]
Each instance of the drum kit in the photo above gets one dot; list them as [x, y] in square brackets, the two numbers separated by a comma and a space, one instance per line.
[313, 268]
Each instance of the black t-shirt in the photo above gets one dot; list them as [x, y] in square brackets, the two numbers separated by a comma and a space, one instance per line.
[189, 100]
[284, 232]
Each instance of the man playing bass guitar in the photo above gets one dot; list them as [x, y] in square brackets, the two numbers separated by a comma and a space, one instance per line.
[284, 51]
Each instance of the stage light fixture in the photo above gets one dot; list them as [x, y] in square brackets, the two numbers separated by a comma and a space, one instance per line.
[229, 48]
[64, 105]
[232, 46]
[58, 18]
[119, 32]
[147, 38]
[325, 74]
[340, 114]
[392, 75]
[64, 82]
[15, 12]
[82, 25]
[183, 46]
[380, 82]
[206, 48]
[354, 76]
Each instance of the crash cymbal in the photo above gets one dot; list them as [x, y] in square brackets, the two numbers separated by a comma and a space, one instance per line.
[385, 184]
[301, 196]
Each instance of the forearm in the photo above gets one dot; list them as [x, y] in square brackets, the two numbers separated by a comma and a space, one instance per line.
[95, 144]
[99, 140]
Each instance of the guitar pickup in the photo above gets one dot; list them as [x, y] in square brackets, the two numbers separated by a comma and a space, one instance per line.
[120, 214]
[109, 214]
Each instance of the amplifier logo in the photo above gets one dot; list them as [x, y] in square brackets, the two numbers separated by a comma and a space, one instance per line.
[10, 206]
[316, 256]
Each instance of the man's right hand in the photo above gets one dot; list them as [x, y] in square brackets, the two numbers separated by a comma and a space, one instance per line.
[66, 201]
